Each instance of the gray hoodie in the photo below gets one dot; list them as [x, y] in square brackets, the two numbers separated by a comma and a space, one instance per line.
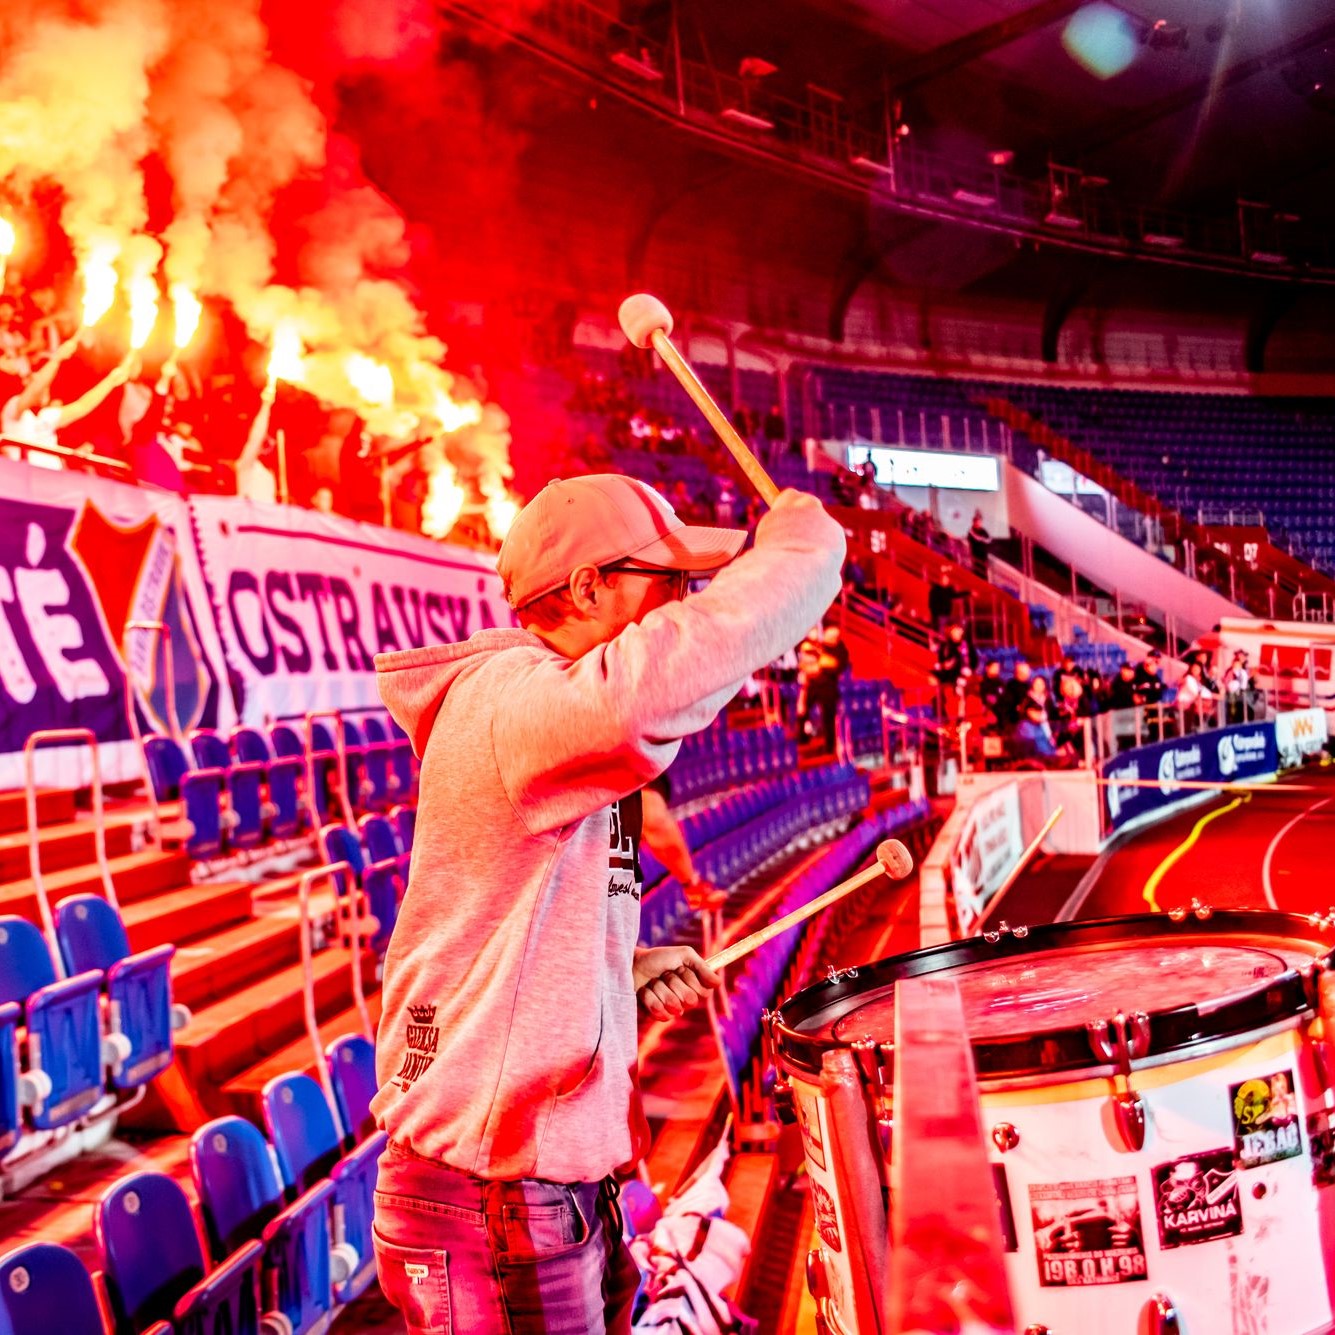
[507, 1044]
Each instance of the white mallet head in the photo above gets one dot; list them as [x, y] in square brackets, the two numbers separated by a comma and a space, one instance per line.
[642, 316]
[896, 861]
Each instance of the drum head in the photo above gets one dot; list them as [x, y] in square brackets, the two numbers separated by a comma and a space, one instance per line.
[1028, 1001]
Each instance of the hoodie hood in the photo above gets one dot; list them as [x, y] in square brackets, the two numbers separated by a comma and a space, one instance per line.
[413, 682]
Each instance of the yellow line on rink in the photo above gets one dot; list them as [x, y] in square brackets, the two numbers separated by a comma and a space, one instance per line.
[1181, 851]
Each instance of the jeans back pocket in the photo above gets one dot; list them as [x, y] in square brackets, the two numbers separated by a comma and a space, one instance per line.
[416, 1280]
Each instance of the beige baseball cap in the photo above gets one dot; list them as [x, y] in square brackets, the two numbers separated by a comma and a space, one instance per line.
[598, 520]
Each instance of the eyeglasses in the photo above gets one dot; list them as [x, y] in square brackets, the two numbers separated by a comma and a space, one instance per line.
[680, 578]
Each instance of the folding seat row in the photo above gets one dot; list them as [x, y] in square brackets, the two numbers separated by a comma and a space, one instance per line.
[97, 1022]
[286, 1225]
[378, 857]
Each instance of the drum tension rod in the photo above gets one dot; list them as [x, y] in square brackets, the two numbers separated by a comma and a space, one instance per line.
[1119, 1041]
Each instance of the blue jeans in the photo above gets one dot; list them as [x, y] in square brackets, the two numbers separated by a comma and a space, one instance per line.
[464, 1256]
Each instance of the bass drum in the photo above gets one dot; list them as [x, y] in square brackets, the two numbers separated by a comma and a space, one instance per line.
[1158, 1101]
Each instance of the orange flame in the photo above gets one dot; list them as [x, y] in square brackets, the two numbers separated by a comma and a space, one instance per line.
[501, 510]
[186, 310]
[99, 281]
[8, 237]
[444, 501]
[454, 416]
[285, 359]
[143, 292]
[370, 378]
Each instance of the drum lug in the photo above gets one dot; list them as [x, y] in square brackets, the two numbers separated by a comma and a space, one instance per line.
[1163, 1319]
[1005, 1136]
[833, 975]
[784, 1108]
[1119, 1041]
[1129, 1111]
[1202, 912]
[1003, 928]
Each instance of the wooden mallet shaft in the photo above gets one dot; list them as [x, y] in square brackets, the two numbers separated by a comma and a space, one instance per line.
[892, 860]
[648, 323]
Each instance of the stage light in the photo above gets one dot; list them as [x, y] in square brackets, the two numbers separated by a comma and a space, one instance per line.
[1100, 39]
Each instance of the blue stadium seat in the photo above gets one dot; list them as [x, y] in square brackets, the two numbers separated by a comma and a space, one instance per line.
[305, 1138]
[155, 1270]
[380, 782]
[242, 1200]
[45, 1290]
[201, 791]
[351, 1061]
[284, 776]
[288, 744]
[90, 935]
[379, 881]
[63, 1079]
[381, 841]
[245, 786]
[400, 752]
[405, 822]
[11, 1117]
[356, 784]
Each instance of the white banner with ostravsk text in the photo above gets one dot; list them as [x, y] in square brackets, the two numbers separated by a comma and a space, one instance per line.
[306, 600]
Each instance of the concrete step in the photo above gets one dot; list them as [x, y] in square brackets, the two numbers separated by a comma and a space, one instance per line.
[68, 844]
[243, 1091]
[136, 876]
[235, 1032]
[54, 807]
[178, 916]
[206, 970]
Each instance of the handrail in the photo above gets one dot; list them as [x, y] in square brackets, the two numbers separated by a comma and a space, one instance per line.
[341, 751]
[64, 452]
[132, 713]
[40, 738]
[308, 878]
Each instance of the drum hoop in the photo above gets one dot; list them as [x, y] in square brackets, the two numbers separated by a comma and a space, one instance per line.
[1183, 1029]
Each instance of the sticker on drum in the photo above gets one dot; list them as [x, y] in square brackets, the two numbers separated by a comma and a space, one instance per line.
[808, 1119]
[1088, 1233]
[827, 1222]
[1197, 1199]
[1265, 1120]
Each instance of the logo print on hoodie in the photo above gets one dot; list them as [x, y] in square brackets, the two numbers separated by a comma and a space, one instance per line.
[423, 1039]
[627, 820]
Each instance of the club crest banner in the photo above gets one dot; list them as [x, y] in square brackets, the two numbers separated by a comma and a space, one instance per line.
[81, 560]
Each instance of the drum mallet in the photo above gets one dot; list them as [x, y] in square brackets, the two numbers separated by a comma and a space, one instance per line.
[647, 323]
[892, 860]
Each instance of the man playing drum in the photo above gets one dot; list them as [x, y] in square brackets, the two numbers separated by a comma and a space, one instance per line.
[507, 1047]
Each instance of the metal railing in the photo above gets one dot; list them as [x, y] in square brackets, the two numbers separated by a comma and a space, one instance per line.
[23, 450]
[132, 712]
[357, 927]
[861, 145]
[341, 779]
[54, 736]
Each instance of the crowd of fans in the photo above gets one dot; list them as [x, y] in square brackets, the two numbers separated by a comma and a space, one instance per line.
[186, 421]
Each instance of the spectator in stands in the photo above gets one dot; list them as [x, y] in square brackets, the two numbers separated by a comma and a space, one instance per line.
[1096, 690]
[1072, 707]
[979, 541]
[1040, 694]
[32, 418]
[956, 660]
[1195, 699]
[1016, 693]
[1149, 679]
[992, 689]
[663, 837]
[50, 326]
[1122, 688]
[869, 491]
[13, 341]
[1067, 668]
[1240, 690]
[254, 478]
[507, 1047]
[822, 659]
[1032, 736]
[941, 599]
